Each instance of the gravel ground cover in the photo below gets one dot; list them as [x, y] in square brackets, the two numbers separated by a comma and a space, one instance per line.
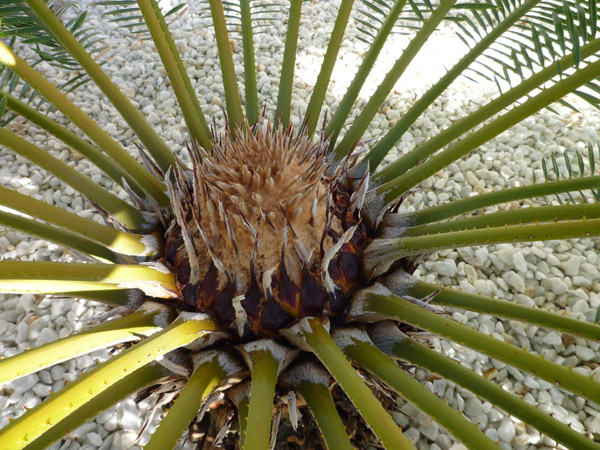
[551, 275]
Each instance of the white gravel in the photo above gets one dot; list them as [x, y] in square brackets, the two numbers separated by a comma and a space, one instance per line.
[552, 275]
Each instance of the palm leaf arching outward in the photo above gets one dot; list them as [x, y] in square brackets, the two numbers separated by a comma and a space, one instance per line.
[264, 279]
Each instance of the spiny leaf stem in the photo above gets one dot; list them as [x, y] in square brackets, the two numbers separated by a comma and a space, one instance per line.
[502, 308]
[124, 329]
[403, 183]
[60, 236]
[59, 277]
[201, 383]
[146, 180]
[155, 145]
[129, 385]
[335, 41]
[455, 208]
[250, 86]
[400, 309]
[184, 91]
[116, 240]
[284, 97]
[365, 117]
[122, 211]
[415, 353]
[232, 95]
[521, 215]
[374, 360]
[318, 397]
[317, 338]
[382, 252]
[406, 162]
[108, 165]
[337, 120]
[28, 427]
[265, 368]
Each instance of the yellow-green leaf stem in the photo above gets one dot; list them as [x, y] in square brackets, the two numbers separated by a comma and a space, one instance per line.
[284, 96]
[321, 404]
[63, 237]
[512, 217]
[312, 381]
[58, 277]
[415, 353]
[335, 41]
[398, 309]
[25, 429]
[242, 403]
[265, 368]
[144, 178]
[184, 91]
[116, 240]
[396, 187]
[374, 360]
[155, 145]
[232, 95]
[464, 125]
[109, 166]
[341, 114]
[502, 308]
[132, 383]
[122, 211]
[124, 329]
[382, 252]
[250, 85]
[205, 378]
[377, 154]
[320, 342]
[367, 113]
[112, 297]
[463, 205]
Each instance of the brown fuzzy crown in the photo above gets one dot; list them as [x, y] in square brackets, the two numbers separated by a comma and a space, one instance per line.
[262, 236]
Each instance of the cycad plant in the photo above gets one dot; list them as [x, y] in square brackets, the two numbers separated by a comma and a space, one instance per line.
[261, 276]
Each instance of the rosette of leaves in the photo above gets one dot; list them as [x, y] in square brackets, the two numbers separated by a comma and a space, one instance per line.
[267, 285]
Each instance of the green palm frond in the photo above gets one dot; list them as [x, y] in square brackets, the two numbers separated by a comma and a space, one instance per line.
[127, 15]
[19, 23]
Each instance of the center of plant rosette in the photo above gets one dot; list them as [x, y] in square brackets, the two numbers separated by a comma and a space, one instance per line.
[263, 234]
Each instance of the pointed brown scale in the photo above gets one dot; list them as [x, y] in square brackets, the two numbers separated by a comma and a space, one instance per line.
[222, 308]
[273, 318]
[313, 295]
[338, 303]
[349, 264]
[287, 293]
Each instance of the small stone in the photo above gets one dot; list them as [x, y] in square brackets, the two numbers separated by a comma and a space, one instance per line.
[552, 338]
[95, 439]
[128, 439]
[506, 430]
[41, 390]
[58, 373]
[153, 118]
[446, 267]
[128, 416]
[557, 285]
[571, 266]
[513, 279]
[48, 335]
[519, 261]
[580, 281]
[584, 353]
[473, 407]
[24, 384]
